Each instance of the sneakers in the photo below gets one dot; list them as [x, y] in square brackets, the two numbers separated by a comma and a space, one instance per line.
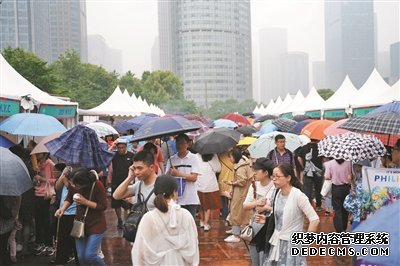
[49, 251]
[229, 232]
[207, 227]
[39, 247]
[232, 239]
[100, 254]
[201, 224]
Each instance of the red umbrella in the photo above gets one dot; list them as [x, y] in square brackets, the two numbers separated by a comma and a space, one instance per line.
[334, 128]
[237, 118]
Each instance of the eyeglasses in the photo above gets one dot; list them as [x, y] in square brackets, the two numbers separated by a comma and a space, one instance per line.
[277, 176]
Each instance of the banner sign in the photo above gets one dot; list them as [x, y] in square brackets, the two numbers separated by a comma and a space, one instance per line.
[314, 114]
[8, 107]
[58, 111]
[380, 187]
[340, 113]
[286, 115]
[362, 111]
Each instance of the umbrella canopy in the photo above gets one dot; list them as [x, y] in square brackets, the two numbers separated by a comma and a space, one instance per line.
[31, 124]
[299, 118]
[5, 142]
[124, 126]
[284, 124]
[385, 123]
[102, 129]
[246, 141]
[315, 129]
[389, 107]
[267, 128]
[14, 176]
[237, 118]
[266, 143]
[224, 123]
[246, 130]
[205, 121]
[80, 146]
[134, 123]
[300, 125]
[334, 128]
[195, 134]
[351, 147]
[40, 147]
[216, 140]
[377, 223]
[266, 117]
[165, 127]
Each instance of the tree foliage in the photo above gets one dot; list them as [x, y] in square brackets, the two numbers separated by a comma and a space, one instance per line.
[325, 93]
[31, 67]
[220, 108]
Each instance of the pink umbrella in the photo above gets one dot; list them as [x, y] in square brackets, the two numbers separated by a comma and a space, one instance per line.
[334, 128]
[40, 148]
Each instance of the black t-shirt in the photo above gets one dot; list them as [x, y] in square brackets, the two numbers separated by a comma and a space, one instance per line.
[120, 167]
[315, 159]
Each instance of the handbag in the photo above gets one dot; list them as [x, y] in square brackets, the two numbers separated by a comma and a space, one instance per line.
[49, 191]
[326, 188]
[247, 232]
[78, 227]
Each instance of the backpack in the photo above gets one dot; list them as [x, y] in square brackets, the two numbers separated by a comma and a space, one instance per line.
[138, 209]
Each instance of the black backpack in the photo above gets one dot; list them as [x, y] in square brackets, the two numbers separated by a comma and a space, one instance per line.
[138, 209]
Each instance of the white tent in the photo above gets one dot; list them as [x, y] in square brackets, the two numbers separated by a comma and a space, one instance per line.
[370, 91]
[343, 96]
[298, 99]
[271, 108]
[115, 105]
[390, 94]
[14, 86]
[312, 102]
[283, 107]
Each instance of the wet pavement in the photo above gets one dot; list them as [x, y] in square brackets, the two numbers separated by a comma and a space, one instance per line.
[213, 249]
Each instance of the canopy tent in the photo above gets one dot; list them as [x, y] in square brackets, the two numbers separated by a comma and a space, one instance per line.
[343, 96]
[297, 100]
[369, 92]
[283, 107]
[15, 88]
[313, 102]
[390, 94]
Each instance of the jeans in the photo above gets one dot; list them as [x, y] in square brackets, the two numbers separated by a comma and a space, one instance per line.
[192, 209]
[316, 183]
[341, 218]
[87, 250]
[257, 258]
[225, 207]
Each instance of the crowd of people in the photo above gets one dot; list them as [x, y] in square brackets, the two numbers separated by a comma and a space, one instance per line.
[182, 188]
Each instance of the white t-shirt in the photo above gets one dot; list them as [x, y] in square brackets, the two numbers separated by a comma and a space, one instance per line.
[188, 164]
[261, 192]
[207, 180]
[145, 190]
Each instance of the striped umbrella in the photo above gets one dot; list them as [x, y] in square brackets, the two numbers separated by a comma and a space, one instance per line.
[384, 123]
[284, 124]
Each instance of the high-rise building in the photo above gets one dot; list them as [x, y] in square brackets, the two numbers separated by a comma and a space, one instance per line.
[295, 74]
[318, 74]
[68, 28]
[208, 45]
[349, 41]
[273, 45]
[395, 62]
[155, 55]
[99, 53]
[25, 24]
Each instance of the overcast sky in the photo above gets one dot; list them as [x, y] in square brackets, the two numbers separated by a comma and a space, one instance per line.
[132, 25]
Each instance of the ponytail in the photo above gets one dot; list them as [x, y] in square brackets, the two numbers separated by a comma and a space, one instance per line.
[253, 184]
[160, 203]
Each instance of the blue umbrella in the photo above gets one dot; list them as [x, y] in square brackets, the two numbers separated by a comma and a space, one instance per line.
[387, 219]
[5, 142]
[14, 176]
[389, 107]
[134, 123]
[299, 126]
[31, 124]
[80, 146]
[267, 128]
[161, 127]
[224, 123]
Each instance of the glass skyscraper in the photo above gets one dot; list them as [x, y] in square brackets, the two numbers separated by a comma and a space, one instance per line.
[208, 45]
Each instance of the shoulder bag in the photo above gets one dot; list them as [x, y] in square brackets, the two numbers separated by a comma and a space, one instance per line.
[78, 228]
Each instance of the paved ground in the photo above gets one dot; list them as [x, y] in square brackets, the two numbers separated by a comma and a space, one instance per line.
[213, 249]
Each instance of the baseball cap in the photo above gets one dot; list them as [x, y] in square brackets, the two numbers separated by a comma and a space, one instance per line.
[263, 164]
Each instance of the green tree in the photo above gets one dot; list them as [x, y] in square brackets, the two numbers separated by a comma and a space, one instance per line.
[131, 83]
[31, 67]
[325, 93]
[180, 106]
[220, 108]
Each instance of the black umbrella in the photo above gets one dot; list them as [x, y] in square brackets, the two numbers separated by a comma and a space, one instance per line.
[162, 127]
[216, 140]
[266, 117]
[299, 118]
[246, 130]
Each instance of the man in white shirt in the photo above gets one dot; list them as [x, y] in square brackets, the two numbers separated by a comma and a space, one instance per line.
[184, 166]
[143, 169]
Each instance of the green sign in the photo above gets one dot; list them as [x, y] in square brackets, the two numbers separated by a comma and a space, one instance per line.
[8, 107]
[341, 113]
[362, 111]
[314, 114]
[63, 111]
[287, 115]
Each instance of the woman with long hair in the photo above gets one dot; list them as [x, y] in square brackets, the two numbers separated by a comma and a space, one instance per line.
[242, 177]
[166, 235]
[83, 181]
[289, 208]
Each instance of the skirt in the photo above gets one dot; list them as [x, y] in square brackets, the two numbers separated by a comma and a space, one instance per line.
[210, 200]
